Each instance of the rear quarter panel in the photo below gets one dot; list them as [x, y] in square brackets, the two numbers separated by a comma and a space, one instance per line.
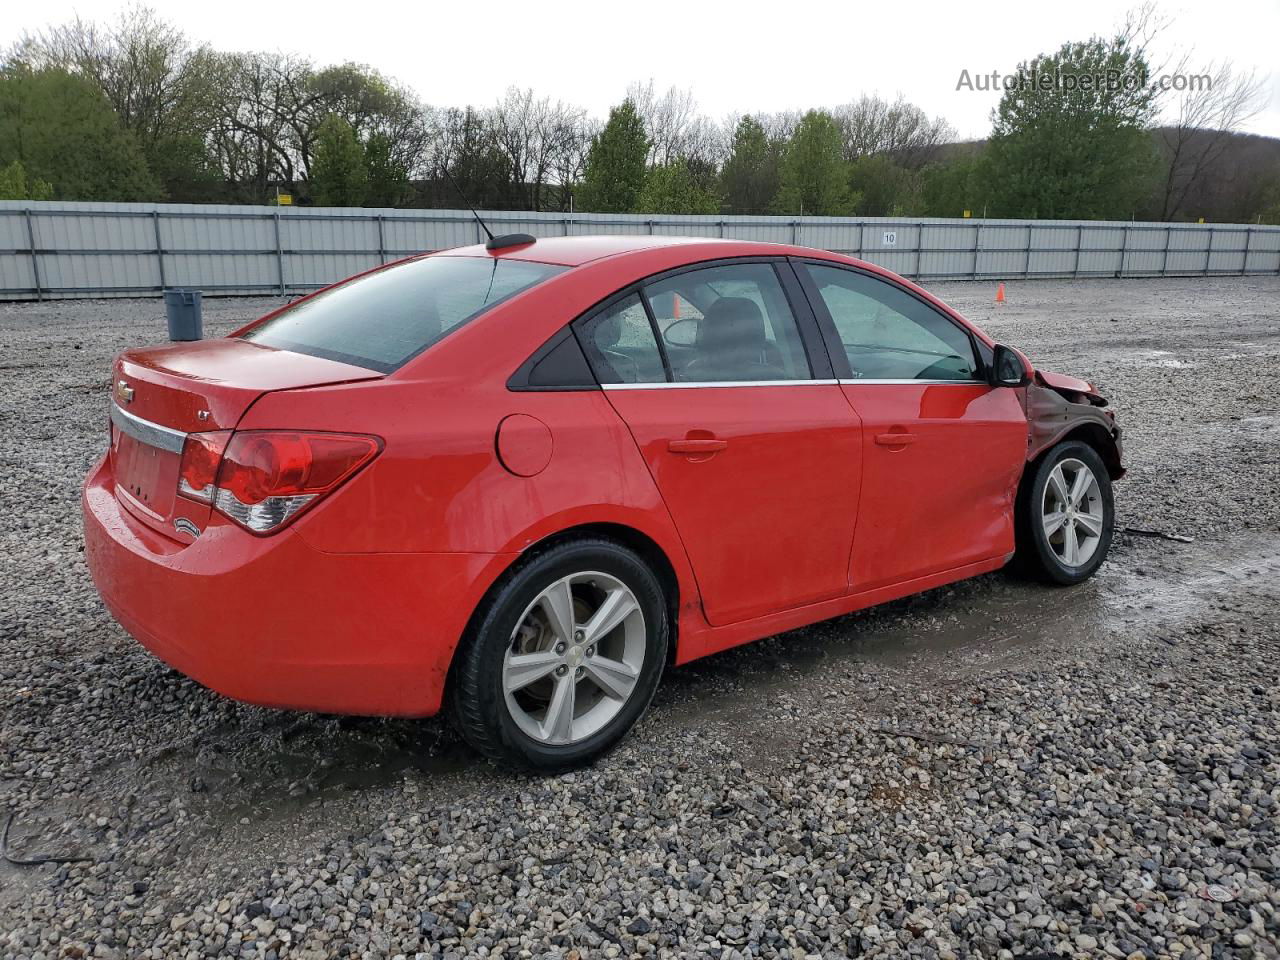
[438, 486]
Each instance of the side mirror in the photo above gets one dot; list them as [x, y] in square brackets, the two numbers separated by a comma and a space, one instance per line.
[682, 333]
[1007, 369]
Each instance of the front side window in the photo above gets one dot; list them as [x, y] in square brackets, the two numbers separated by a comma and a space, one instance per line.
[888, 334]
[382, 320]
[728, 323]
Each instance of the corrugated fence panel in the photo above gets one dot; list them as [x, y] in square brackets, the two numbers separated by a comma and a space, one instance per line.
[1264, 250]
[766, 231]
[61, 249]
[17, 275]
[404, 237]
[1144, 253]
[1188, 251]
[308, 273]
[1004, 249]
[1226, 249]
[617, 224]
[1100, 251]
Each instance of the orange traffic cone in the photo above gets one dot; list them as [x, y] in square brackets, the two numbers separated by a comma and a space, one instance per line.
[1000, 293]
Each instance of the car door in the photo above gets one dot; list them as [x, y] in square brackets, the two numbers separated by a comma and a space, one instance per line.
[727, 390]
[943, 450]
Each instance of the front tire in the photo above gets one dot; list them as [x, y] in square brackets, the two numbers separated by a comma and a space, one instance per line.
[1066, 515]
[564, 657]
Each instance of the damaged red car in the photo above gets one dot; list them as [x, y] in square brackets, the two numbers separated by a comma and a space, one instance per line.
[516, 481]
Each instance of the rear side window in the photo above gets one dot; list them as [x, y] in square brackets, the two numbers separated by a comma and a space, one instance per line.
[620, 344]
[382, 320]
[887, 334]
[728, 323]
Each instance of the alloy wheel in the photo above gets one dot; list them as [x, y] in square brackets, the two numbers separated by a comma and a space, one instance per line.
[1072, 512]
[575, 658]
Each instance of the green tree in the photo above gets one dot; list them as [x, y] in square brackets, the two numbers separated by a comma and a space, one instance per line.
[885, 187]
[614, 174]
[16, 185]
[163, 90]
[674, 188]
[1076, 148]
[181, 163]
[373, 105]
[1271, 202]
[750, 177]
[339, 177]
[950, 187]
[388, 179]
[815, 177]
[64, 132]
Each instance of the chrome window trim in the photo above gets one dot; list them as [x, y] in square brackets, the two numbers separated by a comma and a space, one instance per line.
[144, 431]
[854, 381]
[689, 384]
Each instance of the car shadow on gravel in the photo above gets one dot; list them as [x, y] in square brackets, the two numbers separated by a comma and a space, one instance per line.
[265, 765]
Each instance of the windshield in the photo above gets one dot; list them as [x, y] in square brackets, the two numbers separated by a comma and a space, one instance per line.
[382, 320]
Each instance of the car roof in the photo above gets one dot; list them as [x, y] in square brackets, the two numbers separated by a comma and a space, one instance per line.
[575, 251]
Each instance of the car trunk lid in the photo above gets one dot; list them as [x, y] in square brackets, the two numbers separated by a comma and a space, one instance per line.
[160, 394]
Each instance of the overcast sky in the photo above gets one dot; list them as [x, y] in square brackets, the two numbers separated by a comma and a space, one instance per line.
[735, 56]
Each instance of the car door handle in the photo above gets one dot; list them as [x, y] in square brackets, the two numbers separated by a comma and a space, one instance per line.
[895, 439]
[695, 446]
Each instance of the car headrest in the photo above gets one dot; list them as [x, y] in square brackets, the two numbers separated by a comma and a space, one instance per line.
[732, 323]
[608, 331]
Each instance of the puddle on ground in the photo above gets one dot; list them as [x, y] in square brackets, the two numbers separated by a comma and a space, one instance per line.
[1140, 357]
[1156, 358]
[321, 758]
[991, 622]
[1260, 427]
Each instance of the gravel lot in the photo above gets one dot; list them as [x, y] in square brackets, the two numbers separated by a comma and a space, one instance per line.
[993, 769]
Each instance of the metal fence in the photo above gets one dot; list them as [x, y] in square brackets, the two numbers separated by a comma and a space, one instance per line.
[69, 250]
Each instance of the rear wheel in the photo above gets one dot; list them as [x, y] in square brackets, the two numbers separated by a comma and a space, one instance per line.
[1066, 515]
[564, 658]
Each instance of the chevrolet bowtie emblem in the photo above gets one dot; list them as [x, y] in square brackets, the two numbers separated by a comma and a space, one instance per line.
[124, 392]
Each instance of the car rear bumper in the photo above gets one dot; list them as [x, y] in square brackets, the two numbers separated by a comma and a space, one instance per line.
[275, 622]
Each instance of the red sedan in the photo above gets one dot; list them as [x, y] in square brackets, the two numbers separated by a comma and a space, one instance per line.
[519, 479]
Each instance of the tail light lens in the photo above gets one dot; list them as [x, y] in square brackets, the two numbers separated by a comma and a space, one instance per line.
[262, 479]
[201, 454]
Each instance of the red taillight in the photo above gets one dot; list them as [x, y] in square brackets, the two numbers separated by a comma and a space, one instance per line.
[268, 477]
[201, 454]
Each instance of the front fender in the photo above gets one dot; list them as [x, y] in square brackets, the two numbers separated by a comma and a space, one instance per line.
[1057, 409]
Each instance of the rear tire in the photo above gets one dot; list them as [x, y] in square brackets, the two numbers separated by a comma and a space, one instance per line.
[563, 658]
[1065, 515]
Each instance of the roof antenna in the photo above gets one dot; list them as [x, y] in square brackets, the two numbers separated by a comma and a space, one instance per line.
[445, 168]
[494, 243]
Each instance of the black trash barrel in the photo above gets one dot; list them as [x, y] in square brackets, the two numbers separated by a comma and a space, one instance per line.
[182, 309]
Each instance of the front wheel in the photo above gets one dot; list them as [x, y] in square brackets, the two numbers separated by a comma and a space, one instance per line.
[1066, 515]
[564, 657]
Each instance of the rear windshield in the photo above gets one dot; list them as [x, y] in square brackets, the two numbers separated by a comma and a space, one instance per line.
[386, 318]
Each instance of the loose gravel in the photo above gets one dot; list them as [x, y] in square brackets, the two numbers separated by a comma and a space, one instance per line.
[993, 769]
